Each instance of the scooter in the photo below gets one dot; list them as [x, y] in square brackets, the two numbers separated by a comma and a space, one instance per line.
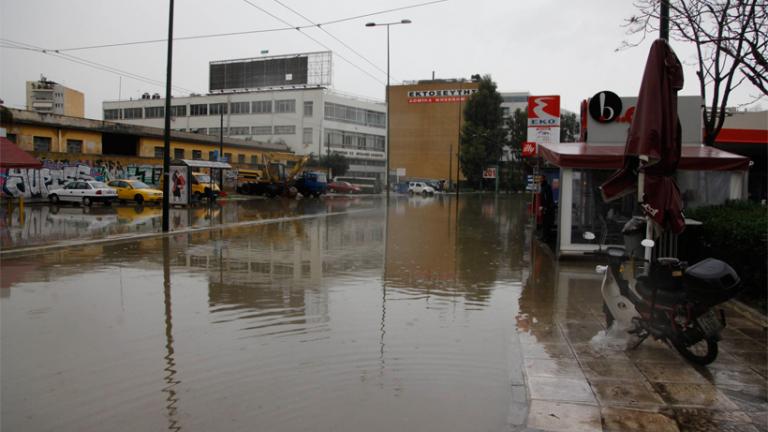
[669, 300]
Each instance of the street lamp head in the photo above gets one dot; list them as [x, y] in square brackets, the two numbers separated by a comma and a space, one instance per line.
[405, 21]
[370, 24]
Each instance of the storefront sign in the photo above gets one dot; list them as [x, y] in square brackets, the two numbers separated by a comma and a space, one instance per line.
[606, 107]
[544, 119]
[439, 96]
[529, 149]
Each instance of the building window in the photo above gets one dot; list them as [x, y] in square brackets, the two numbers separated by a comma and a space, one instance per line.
[227, 157]
[212, 155]
[111, 114]
[74, 146]
[254, 160]
[308, 108]
[218, 108]
[216, 131]
[197, 154]
[240, 107]
[240, 130]
[179, 111]
[261, 107]
[241, 158]
[349, 114]
[154, 112]
[198, 109]
[159, 152]
[178, 153]
[41, 144]
[11, 137]
[132, 113]
[261, 130]
[285, 130]
[307, 136]
[285, 106]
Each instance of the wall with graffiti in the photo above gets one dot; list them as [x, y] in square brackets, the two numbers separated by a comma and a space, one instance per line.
[36, 183]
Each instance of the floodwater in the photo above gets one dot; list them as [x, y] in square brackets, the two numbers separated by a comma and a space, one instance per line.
[340, 315]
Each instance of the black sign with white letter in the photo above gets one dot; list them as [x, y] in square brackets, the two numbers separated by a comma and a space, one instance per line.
[605, 106]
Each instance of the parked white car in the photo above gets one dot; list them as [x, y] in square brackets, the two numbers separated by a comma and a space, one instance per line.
[84, 191]
[422, 188]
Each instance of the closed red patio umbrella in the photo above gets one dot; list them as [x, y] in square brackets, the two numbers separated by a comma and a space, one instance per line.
[653, 147]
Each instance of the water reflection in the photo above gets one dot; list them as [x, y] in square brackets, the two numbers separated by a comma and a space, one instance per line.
[375, 320]
[170, 363]
[438, 245]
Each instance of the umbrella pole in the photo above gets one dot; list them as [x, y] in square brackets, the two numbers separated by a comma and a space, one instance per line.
[640, 195]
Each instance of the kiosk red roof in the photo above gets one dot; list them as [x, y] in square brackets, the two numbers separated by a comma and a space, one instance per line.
[11, 156]
[611, 157]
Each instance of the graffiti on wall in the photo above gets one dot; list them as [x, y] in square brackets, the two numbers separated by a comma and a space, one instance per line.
[36, 183]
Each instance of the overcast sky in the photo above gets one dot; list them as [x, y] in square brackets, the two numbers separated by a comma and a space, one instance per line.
[542, 47]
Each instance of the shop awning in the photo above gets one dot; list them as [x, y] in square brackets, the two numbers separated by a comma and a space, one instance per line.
[585, 156]
[11, 156]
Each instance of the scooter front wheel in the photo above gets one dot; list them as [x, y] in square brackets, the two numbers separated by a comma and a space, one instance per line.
[701, 353]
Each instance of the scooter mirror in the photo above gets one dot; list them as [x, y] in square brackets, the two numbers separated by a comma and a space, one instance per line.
[648, 243]
[588, 235]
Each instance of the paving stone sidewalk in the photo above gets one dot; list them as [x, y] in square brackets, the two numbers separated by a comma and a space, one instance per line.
[580, 380]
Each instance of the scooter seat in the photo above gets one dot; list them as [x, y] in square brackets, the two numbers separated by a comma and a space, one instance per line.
[665, 295]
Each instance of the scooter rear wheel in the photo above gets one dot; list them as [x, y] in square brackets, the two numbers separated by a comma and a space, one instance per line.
[701, 353]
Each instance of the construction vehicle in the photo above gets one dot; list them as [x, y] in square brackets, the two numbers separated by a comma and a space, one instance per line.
[272, 180]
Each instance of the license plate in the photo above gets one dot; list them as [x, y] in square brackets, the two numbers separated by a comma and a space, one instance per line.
[710, 323]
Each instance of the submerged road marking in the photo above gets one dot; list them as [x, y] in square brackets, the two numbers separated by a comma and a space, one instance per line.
[133, 237]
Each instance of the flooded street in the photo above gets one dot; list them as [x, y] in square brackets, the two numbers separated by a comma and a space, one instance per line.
[340, 314]
[353, 318]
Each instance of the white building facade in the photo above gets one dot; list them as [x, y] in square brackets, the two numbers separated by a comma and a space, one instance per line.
[310, 120]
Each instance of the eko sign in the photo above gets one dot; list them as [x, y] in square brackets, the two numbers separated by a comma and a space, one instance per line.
[544, 119]
[439, 96]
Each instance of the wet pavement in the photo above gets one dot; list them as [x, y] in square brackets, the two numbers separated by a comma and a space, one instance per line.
[581, 378]
[335, 314]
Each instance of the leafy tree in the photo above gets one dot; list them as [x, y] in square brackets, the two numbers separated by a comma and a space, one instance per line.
[482, 134]
[569, 127]
[517, 125]
[337, 164]
[731, 40]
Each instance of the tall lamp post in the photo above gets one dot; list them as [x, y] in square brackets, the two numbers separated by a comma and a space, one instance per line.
[387, 147]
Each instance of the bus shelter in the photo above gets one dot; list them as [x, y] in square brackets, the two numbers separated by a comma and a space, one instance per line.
[192, 180]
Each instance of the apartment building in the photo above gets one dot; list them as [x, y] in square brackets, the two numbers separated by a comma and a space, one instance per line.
[45, 96]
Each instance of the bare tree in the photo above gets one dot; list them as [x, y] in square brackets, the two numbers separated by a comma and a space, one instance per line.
[731, 40]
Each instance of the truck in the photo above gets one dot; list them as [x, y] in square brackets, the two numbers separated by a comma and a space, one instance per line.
[311, 184]
[272, 180]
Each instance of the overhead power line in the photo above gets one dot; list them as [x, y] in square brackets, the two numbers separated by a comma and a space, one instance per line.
[7, 43]
[331, 35]
[316, 41]
[247, 32]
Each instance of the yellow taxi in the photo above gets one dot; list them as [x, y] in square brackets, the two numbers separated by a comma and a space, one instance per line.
[134, 190]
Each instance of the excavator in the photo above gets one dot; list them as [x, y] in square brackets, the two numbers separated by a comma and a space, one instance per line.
[273, 180]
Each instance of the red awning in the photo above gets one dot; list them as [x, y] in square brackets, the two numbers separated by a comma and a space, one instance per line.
[742, 136]
[611, 157]
[11, 156]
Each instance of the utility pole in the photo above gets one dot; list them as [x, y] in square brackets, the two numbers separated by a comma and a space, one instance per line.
[664, 20]
[167, 131]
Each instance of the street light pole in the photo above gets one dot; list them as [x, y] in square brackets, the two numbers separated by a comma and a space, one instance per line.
[387, 147]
